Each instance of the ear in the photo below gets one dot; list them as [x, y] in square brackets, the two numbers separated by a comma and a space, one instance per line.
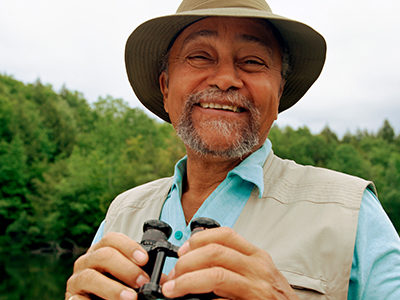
[163, 82]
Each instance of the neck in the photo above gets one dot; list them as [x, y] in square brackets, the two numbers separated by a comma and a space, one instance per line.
[203, 175]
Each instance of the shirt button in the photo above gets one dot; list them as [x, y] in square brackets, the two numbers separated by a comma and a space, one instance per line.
[178, 235]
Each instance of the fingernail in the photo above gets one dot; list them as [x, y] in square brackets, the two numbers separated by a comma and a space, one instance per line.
[184, 248]
[127, 295]
[139, 257]
[141, 280]
[168, 287]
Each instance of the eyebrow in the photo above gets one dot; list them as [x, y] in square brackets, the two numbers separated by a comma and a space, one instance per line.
[201, 33]
[240, 37]
[254, 39]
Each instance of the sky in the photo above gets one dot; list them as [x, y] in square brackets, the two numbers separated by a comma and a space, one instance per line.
[80, 44]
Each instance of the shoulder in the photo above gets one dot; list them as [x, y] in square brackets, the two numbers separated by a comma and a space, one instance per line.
[317, 183]
[300, 172]
[140, 195]
[147, 189]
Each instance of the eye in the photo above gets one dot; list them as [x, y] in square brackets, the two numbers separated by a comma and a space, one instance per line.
[252, 64]
[200, 60]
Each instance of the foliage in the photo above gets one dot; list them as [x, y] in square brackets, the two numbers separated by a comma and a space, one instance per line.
[62, 161]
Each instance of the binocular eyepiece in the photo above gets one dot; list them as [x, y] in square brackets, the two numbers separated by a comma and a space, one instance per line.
[155, 242]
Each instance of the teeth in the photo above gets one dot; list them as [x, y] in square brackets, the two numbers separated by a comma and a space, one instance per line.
[219, 106]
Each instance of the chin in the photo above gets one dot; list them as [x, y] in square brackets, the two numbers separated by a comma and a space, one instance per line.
[219, 138]
[235, 148]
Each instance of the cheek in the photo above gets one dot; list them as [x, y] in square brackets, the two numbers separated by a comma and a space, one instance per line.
[268, 116]
[186, 78]
[267, 94]
[174, 111]
[269, 113]
[266, 98]
[181, 85]
[175, 102]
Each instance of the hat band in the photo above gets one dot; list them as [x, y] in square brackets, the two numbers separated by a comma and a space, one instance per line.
[212, 4]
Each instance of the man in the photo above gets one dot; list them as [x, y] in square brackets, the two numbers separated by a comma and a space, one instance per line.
[289, 231]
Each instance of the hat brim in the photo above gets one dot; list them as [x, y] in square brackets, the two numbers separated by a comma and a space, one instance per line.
[149, 42]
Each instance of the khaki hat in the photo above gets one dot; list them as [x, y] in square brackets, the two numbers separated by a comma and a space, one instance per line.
[149, 42]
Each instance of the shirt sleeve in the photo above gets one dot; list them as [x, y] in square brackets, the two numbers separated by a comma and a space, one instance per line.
[375, 272]
[99, 233]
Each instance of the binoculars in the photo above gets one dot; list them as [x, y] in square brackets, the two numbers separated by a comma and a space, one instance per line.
[155, 242]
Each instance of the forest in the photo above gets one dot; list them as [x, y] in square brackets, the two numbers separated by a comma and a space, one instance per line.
[63, 160]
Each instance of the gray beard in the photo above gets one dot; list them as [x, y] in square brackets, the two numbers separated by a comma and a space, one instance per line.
[246, 137]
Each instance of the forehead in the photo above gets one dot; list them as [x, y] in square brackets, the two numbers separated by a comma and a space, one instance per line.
[238, 29]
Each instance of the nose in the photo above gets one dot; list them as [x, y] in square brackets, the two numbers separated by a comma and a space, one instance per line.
[225, 77]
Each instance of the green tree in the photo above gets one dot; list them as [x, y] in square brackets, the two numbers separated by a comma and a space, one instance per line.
[386, 132]
[63, 160]
[348, 160]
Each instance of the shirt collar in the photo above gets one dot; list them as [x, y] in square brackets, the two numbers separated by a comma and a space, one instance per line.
[250, 169]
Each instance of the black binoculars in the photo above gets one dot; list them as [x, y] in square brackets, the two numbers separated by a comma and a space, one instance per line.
[155, 242]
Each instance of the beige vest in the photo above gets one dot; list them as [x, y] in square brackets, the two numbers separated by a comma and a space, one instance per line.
[306, 220]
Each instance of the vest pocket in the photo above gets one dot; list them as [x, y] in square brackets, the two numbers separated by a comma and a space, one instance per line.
[303, 283]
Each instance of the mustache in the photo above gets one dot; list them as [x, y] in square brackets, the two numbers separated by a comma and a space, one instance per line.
[214, 94]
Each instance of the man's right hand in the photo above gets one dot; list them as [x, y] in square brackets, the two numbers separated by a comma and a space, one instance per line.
[110, 269]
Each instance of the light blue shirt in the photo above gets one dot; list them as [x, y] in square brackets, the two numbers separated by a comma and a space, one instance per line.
[375, 272]
[225, 203]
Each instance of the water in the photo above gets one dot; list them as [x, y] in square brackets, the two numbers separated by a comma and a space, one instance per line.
[29, 277]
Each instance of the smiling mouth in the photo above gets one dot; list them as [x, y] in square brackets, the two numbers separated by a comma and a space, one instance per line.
[225, 107]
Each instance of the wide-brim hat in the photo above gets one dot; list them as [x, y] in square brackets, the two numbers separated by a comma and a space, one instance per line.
[149, 42]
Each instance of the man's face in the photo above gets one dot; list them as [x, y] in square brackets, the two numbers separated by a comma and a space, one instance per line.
[223, 85]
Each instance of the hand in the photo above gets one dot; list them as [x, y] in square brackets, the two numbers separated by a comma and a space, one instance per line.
[109, 269]
[220, 261]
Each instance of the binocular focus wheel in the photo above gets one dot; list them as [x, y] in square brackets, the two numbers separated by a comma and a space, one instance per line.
[203, 222]
[158, 225]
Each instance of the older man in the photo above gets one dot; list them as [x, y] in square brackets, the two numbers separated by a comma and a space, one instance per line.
[289, 231]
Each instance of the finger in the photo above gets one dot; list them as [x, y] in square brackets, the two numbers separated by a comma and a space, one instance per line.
[125, 245]
[76, 297]
[212, 255]
[225, 284]
[93, 282]
[163, 278]
[222, 282]
[222, 235]
[110, 260]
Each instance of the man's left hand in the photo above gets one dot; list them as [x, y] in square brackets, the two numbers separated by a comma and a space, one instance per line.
[221, 261]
